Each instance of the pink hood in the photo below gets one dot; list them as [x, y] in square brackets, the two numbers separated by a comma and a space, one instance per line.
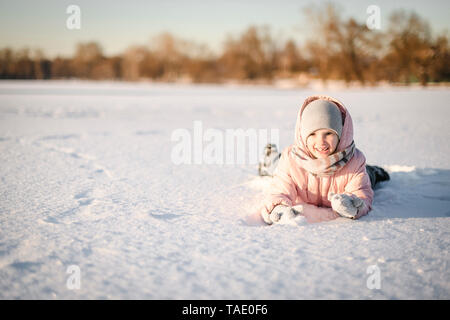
[292, 184]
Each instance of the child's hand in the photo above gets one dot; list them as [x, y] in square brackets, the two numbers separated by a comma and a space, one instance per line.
[346, 206]
[282, 211]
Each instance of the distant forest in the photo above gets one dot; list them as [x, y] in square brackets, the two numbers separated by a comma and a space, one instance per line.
[407, 52]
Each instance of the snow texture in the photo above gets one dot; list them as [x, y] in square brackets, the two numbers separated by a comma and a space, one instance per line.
[87, 180]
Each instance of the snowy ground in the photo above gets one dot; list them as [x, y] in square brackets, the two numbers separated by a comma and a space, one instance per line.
[87, 180]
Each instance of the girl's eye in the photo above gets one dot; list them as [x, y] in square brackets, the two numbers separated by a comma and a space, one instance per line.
[313, 134]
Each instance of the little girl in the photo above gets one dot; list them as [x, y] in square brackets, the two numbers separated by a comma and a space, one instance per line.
[322, 175]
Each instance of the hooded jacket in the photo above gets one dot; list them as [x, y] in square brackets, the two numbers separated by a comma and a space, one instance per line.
[292, 184]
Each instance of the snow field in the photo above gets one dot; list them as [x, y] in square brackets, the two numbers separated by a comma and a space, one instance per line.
[87, 179]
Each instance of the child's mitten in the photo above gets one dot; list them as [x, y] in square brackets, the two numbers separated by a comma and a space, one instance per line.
[282, 211]
[266, 216]
[345, 205]
[278, 212]
[298, 209]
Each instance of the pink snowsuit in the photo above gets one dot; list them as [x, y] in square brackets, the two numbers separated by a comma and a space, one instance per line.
[292, 184]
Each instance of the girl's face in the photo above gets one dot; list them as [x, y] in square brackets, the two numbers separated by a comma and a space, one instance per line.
[322, 143]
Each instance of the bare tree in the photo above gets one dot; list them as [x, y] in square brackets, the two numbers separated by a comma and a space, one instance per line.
[341, 49]
[131, 62]
[410, 54]
[253, 55]
[87, 55]
[290, 60]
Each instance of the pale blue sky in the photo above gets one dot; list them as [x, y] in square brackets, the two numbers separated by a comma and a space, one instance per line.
[118, 24]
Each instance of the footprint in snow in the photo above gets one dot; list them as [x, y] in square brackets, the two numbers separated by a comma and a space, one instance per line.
[164, 216]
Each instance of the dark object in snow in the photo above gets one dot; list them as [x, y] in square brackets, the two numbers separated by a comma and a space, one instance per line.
[269, 162]
[376, 174]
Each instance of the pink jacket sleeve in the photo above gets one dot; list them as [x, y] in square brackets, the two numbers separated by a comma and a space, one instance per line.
[359, 185]
[282, 190]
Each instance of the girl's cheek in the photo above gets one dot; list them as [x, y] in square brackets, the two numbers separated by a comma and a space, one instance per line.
[310, 147]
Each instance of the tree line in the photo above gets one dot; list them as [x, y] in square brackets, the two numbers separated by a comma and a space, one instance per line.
[341, 49]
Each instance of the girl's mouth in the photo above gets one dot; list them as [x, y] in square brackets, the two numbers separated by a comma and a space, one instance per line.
[323, 150]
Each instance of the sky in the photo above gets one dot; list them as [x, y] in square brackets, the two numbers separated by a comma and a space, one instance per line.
[117, 25]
